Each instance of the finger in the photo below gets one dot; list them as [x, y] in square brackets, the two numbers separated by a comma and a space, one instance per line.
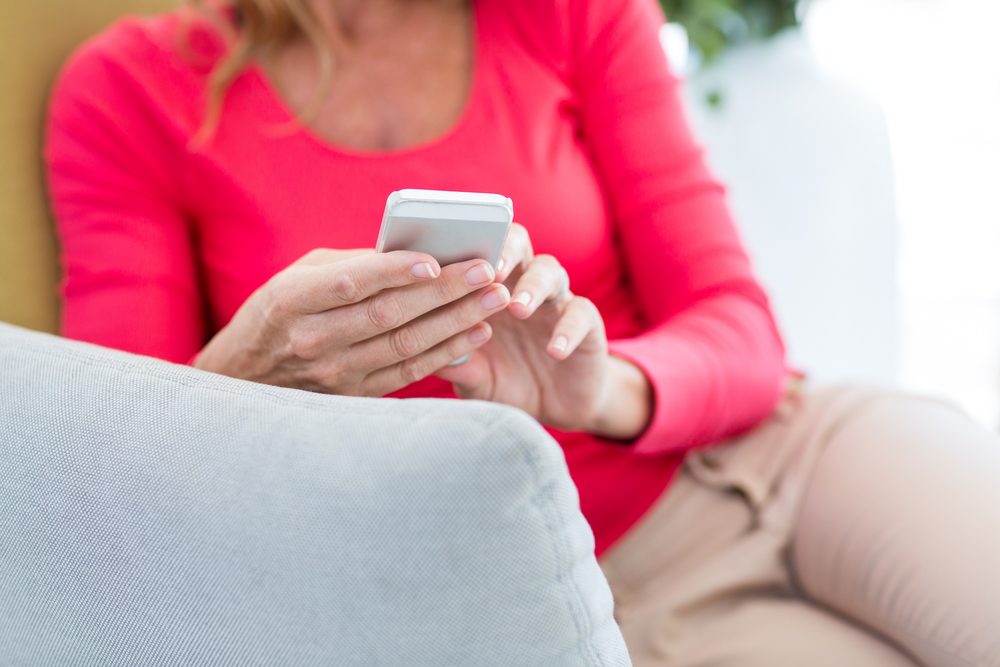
[315, 288]
[320, 256]
[387, 380]
[392, 308]
[578, 320]
[544, 280]
[424, 333]
[517, 252]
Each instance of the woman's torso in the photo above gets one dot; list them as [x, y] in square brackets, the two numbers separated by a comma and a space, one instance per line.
[265, 190]
[515, 135]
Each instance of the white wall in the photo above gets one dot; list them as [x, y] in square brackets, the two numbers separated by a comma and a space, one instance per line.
[934, 66]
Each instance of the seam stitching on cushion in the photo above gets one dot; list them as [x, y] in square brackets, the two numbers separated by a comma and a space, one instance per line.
[255, 390]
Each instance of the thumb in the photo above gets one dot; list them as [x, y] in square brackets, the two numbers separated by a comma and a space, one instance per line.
[472, 379]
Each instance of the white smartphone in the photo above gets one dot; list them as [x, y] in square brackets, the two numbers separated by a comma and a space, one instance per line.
[449, 226]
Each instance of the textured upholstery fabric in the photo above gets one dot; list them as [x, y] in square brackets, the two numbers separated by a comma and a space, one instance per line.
[153, 514]
[35, 37]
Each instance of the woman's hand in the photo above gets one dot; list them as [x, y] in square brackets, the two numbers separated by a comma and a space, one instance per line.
[549, 354]
[358, 323]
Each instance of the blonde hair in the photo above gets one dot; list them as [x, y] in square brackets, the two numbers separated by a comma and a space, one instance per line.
[258, 30]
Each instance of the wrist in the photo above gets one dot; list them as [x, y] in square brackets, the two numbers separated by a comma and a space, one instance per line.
[626, 406]
[208, 358]
[219, 355]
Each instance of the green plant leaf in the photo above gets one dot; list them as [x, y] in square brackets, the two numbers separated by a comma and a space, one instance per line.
[714, 26]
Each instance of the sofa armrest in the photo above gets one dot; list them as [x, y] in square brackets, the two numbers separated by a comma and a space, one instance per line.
[156, 514]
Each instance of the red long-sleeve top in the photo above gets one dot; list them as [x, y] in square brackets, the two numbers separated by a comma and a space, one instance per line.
[573, 113]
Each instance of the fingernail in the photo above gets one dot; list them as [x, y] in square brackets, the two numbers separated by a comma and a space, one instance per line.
[461, 360]
[500, 265]
[560, 344]
[478, 335]
[424, 270]
[523, 298]
[495, 298]
[480, 274]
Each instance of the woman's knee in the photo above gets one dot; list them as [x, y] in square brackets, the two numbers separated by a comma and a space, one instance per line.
[897, 526]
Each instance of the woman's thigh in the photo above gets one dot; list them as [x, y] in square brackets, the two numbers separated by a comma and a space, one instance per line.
[899, 529]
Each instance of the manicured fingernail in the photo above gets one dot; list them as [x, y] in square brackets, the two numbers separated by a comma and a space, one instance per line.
[478, 335]
[500, 265]
[523, 298]
[560, 344]
[495, 298]
[424, 270]
[480, 274]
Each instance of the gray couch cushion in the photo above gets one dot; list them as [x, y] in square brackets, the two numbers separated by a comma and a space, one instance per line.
[154, 514]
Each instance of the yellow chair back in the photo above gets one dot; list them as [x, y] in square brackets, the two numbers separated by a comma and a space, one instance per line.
[36, 36]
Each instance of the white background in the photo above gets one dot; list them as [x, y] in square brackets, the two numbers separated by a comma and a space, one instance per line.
[934, 67]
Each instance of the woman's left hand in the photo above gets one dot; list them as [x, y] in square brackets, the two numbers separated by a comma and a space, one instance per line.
[548, 354]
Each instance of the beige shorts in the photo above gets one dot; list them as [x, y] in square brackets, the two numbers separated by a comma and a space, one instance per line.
[856, 527]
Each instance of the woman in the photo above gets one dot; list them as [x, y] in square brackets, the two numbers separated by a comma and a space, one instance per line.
[218, 173]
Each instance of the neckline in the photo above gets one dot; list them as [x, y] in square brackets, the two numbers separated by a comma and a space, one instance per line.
[288, 118]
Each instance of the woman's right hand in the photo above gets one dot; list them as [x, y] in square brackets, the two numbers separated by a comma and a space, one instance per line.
[358, 323]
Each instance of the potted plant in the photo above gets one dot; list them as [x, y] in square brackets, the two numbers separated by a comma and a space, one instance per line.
[714, 25]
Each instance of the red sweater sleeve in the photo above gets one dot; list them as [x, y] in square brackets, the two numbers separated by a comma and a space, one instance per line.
[129, 273]
[711, 349]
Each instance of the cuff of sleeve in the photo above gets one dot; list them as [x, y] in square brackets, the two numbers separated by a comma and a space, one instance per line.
[666, 432]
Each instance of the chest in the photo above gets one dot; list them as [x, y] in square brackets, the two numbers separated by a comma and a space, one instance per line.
[388, 91]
